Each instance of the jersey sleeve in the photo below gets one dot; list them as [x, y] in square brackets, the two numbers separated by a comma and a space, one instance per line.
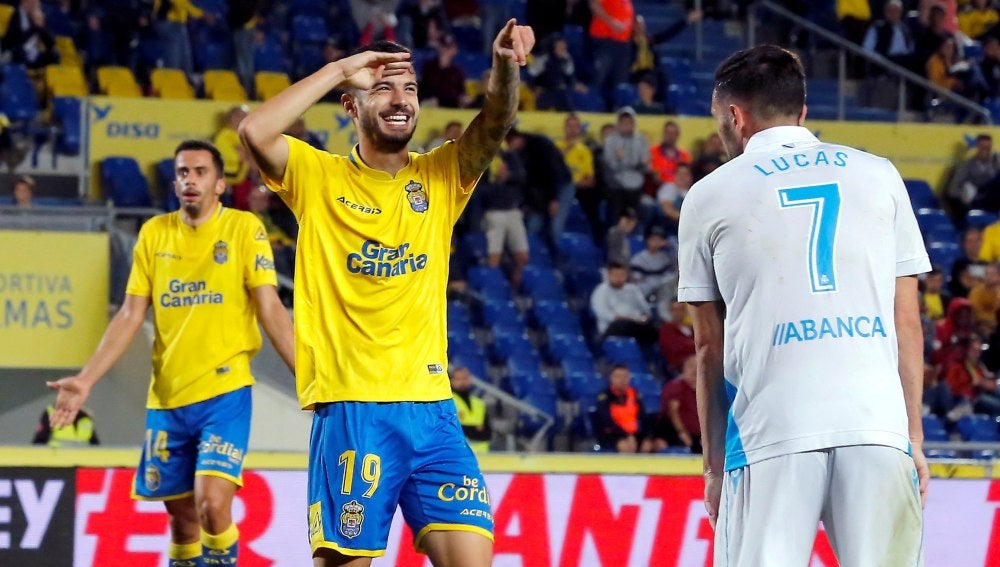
[444, 161]
[303, 163]
[697, 280]
[911, 256]
[140, 278]
[258, 265]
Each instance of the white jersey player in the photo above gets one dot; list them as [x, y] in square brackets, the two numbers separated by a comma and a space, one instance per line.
[798, 258]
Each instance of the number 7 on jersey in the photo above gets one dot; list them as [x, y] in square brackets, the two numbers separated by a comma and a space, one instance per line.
[824, 202]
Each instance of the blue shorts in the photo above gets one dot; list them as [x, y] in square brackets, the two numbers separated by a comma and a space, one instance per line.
[367, 457]
[204, 438]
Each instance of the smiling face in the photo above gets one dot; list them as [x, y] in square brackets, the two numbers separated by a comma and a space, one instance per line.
[197, 182]
[387, 113]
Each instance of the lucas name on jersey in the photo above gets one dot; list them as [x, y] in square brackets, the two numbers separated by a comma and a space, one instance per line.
[375, 259]
[800, 161]
[805, 330]
[187, 294]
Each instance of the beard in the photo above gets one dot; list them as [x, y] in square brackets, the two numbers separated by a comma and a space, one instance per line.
[192, 209]
[385, 142]
[731, 141]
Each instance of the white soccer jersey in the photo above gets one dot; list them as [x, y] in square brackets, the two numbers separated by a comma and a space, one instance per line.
[803, 241]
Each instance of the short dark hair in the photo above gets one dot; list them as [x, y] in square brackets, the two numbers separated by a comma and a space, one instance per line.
[769, 79]
[620, 366]
[382, 46]
[615, 266]
[984, 137]
[203, 145]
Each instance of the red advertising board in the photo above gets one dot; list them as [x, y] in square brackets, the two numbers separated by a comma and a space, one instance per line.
[562, 520]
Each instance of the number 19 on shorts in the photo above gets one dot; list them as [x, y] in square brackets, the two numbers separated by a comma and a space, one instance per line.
[371, 472]
[824, 202]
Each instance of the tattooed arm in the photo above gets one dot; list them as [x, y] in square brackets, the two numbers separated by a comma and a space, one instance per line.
[483, 137]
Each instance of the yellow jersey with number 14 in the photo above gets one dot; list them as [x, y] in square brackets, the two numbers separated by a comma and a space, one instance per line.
[371, 273]
[198, 281]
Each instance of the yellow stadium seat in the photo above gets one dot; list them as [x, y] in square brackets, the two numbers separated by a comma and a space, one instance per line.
[222, 84]
[269, 84]
[171, 83]
[6, 11]
[65, 80]
[68, 55]
[117, 81]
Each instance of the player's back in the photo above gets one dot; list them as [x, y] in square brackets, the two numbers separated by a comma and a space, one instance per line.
[806, 240]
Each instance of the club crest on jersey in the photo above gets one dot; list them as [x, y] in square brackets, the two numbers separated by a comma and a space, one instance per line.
[417, 197]
[221, 252]
[351, 517]
[151, 476]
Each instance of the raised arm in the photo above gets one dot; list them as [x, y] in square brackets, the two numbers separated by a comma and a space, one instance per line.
[276, 322]
[261, 130]
[707, 319]
[482, 139]
[73, 391]
[910, 338]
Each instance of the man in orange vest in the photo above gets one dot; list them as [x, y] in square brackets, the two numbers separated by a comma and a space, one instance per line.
[611, 44]
[618, 416]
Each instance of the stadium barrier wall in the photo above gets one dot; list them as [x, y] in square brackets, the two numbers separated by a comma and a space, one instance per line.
[148, 129]
[53, 297]
[558, 510]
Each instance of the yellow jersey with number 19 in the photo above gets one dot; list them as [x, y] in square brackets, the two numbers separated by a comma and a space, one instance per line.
[198, 281]
[371, 273]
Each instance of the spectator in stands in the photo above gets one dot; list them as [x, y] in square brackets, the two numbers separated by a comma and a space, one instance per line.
[502, 197]
[713, 154]
[677, 423]
[618, 416]
[654, 268]
[299, 131]
[971, 184]
[665, 156]
[452, 131]
[946, 69]
[621, 308]
[965, 279]
[990, 66]
[854, 17]
[937, 398]
[676, 337]
[985, 300]
[933, 296]
[959, 324]
[238, 164]
[619, 237]
[442, 82]
[611, 44]
[283, 246]
[891, 37]
[425, 21]
[596, 145]
[242, 20]
[670, 195]
[580, 161]
[553, 74]
[375, 19]
[977, 18]
[626, 162]
[646, 102]
[80, 434]
[472, 414]
[970, 380]
[27, 40]
[928, 37]
[120, 24]
[644, 43]
[171, 19]
[550, 191]
[24, 191]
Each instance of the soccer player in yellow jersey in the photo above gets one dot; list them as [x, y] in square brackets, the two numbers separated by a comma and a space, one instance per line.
[208, 274]
[374, 239]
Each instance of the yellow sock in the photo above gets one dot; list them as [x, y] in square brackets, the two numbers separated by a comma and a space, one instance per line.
[221, 549]
[184, 554]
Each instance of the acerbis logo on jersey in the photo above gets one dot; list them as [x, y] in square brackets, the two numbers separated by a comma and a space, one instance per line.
[375, 259]
[359, 207]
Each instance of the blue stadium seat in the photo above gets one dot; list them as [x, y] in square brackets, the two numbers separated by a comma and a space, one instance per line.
[123, 182]
[588, 101]
[474, 361]
[675, 450]
[490, 282]
[308, 58]
[944, 254]
[457, 311]
[941, 454]
[636, 243]
[18, 102]
[308, 28]
[269, 55]
[578, 365]
[165, 179]
[542, 284]
[509, 345]
[472, 63]
[934, 429]
[930, 218]
[472, 247]
[545, 402]
[980, 218]
[649, 389]
[561, 347]
[579, 250]
[625, 94]
[581, 280]
[622, 350]
[468, 38]
[66, 114]
[978, 427]
[580, 385]
[525, 384]
[544, 312]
